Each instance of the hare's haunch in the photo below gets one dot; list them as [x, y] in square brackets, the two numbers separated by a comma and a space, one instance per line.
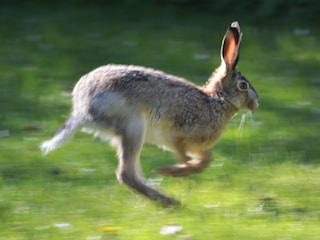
[133, 105]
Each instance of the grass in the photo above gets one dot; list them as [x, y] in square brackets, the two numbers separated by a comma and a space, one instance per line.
[264, 182]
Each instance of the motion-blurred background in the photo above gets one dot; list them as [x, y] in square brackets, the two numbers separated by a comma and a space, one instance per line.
[265, 180]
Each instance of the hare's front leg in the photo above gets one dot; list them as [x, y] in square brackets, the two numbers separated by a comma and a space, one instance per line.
[198, 162]
[129, 171]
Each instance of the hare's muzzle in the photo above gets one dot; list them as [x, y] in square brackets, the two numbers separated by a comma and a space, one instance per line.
[253, 102]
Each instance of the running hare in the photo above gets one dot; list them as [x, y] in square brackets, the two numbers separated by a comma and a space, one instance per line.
[132, 105]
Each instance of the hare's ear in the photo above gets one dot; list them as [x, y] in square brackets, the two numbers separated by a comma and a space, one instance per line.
[230, 46]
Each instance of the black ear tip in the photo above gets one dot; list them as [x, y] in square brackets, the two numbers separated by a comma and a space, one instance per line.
[235, 25]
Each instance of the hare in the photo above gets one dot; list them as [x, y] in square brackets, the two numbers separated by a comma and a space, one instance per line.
[133, 105]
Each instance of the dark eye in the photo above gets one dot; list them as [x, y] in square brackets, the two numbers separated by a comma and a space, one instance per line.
[243, 86]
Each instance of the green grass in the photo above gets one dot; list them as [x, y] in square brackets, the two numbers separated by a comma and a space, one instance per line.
[264, 182]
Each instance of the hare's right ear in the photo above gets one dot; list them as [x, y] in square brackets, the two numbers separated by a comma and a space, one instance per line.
[230, 46]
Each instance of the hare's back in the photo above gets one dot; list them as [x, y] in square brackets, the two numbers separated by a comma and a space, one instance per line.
[134, 83]
[110, 89]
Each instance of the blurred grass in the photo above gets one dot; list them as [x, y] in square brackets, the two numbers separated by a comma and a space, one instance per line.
[264, 183]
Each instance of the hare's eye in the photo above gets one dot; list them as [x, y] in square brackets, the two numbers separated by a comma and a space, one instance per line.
[243, 86]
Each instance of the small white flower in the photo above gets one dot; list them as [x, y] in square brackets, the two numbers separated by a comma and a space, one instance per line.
[62, 225]
[170, 229]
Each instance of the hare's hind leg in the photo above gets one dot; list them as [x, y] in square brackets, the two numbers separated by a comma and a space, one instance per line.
[197, 164]
[129, 171]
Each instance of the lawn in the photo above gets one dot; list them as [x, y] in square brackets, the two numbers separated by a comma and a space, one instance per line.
[264, 182]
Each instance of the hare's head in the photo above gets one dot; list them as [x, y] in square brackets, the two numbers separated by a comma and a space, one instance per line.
[226, 81]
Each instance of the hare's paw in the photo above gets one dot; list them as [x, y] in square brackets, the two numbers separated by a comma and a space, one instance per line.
[184, 169]
[169, 202]
[178, 170]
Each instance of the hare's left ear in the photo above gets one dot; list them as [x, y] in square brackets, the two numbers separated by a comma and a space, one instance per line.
[230, 46]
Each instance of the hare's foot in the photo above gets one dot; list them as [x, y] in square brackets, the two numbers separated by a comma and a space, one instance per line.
[182, 169]
[166, 201]
[140, 187]
[177, 170]
[201, 160]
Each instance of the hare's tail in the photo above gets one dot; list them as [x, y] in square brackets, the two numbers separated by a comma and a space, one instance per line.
[65, 133]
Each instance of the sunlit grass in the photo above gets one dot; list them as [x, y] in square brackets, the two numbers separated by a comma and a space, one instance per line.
[263, 183]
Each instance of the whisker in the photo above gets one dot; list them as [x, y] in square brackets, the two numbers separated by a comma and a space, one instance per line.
[242, 123]
[245, 116]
